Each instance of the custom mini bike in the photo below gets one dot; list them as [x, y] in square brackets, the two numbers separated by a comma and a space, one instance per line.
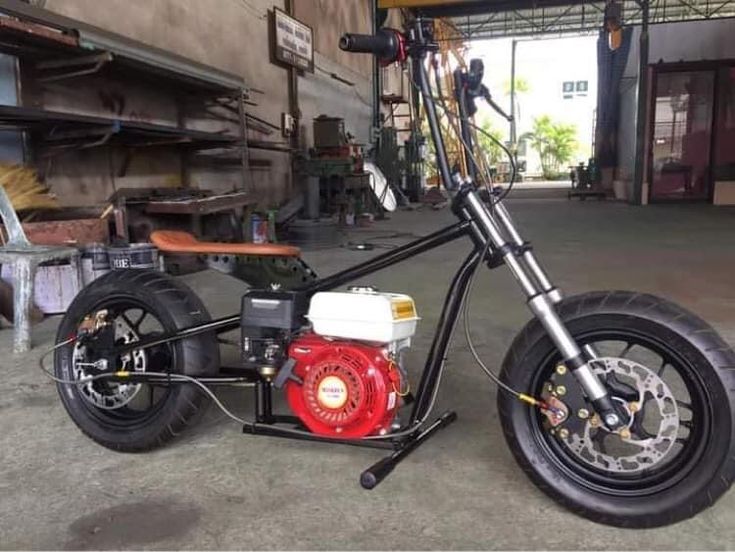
[619, 405]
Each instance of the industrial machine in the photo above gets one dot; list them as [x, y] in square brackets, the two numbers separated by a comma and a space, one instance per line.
[617, 404]
[336, 182]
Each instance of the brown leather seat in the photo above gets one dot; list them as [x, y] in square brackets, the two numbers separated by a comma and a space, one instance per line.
[175, 241]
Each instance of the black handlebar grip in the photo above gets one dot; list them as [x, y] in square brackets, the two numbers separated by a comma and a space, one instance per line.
[370, 478]
[361, 43]
[385, 44]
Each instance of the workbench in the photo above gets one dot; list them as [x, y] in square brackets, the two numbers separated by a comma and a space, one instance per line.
[138, 211]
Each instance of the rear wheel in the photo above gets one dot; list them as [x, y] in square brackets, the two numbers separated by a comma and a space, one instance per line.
[139, 304]
[673, 377]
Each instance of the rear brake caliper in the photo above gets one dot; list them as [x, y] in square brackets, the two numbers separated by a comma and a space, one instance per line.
[92, 323]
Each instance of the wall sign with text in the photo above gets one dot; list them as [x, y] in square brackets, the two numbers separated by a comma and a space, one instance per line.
[568, 89]
[293, 42]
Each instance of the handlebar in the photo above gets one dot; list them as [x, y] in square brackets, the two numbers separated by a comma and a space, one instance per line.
[390, 45]
[387, 44]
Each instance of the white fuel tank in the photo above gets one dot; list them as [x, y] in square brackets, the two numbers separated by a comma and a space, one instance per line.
[363, 314]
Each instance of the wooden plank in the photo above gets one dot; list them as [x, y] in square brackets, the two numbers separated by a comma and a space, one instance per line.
[65, 232]
[201, 206]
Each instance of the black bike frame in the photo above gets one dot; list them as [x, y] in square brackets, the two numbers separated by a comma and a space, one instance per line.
[487, 228]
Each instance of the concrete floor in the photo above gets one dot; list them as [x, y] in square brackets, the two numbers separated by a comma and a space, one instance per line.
[215, 488]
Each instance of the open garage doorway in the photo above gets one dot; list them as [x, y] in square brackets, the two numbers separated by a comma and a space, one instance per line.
[554, 104]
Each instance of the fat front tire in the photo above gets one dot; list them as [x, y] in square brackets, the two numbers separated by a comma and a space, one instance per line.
[168, 305]
[698, 363]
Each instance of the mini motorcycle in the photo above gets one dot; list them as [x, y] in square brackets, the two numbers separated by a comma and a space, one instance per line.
[618, 405]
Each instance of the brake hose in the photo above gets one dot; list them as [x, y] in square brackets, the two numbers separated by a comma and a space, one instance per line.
[492, 375]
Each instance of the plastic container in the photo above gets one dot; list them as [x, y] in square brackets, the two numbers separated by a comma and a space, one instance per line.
[364, 315]
[135, 255]
[95, 262]
[260, 229]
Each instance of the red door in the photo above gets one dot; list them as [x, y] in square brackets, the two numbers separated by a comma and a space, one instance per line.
[682, 135]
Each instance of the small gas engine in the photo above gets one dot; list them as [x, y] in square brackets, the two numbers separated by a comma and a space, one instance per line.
[342, 376]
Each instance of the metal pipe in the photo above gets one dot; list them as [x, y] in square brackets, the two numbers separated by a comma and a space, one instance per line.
[513, 96]
[219, 325]
[445, 327]
[394, 256]
[292, 83]
[255, 428]
[377, 77]
[642, 109]
[441, 152]
[472, 168]
[544, 311]
[440, 237]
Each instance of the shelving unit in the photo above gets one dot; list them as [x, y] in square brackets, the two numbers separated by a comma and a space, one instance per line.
[52, 48]
[58, 131]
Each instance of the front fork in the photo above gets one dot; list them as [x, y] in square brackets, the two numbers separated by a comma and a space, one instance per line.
[541, 294]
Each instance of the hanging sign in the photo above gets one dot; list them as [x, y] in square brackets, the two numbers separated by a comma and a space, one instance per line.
[294, 41]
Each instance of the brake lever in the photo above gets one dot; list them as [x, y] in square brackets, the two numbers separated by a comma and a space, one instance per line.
[489, 99]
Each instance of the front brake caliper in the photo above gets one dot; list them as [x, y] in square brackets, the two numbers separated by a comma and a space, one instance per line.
[557, 411]
[568, 410]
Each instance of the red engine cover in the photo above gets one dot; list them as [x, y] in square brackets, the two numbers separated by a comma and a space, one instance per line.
[349, 389]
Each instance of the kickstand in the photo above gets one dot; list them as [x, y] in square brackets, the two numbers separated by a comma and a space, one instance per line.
[370, 478]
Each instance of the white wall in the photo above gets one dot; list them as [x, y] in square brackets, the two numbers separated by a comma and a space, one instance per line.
[322, 94]
[544, 64]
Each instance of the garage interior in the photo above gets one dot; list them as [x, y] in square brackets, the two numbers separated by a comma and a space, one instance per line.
[121, 121]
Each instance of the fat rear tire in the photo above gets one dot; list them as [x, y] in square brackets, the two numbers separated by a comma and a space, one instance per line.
[710, 358]
[176, 307]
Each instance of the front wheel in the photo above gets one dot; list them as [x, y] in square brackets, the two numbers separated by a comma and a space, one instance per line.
[672, 376]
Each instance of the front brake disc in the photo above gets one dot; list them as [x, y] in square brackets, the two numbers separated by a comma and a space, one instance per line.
[651, 430]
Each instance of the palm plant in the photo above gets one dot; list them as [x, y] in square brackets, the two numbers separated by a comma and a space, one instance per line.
[554, 141]
[489, 147]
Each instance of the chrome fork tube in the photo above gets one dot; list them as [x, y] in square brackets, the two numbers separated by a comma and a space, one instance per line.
[528, 256]
[492, 232]
[543, 308]
[553, 292]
